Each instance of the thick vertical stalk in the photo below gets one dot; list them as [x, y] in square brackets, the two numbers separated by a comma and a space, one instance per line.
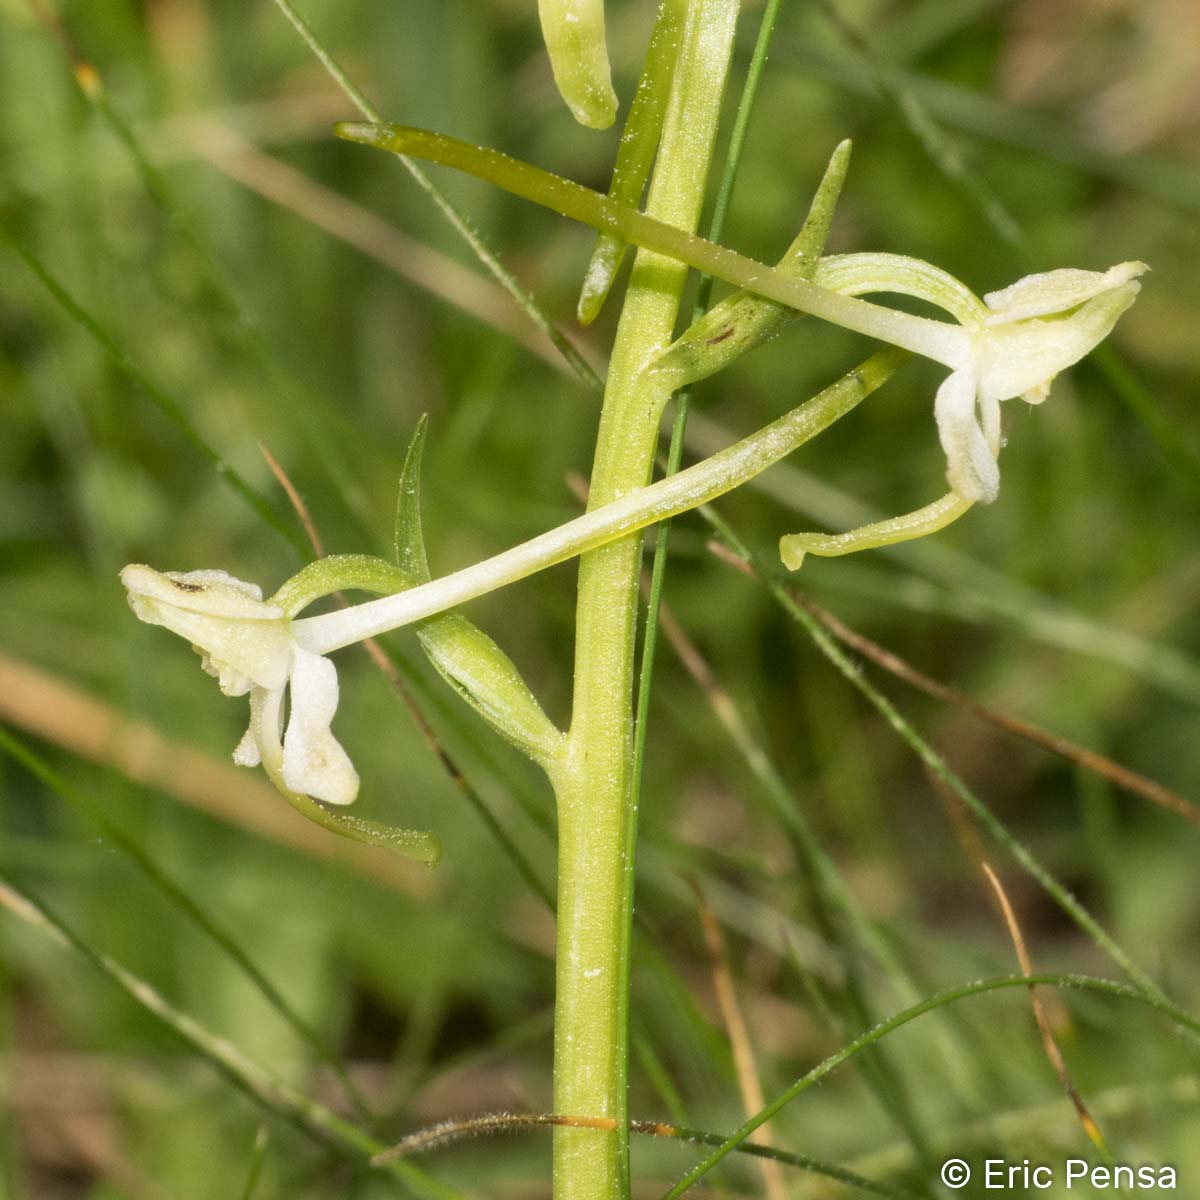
[594, 787]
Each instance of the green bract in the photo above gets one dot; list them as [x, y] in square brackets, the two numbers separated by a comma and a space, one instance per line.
[574, 33]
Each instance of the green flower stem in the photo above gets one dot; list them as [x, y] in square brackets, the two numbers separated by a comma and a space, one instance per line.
[590, 1060]
[635, 155]
[626, 514]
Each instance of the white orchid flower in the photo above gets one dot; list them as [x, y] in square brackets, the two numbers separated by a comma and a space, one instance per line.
[247, 644]
[1012, 343]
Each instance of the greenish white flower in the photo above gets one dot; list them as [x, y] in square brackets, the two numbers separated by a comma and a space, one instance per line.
[247, 644]
[1012, 343]
[1032, 330]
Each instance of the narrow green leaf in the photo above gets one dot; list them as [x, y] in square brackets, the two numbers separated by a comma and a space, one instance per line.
[258, 1156]
[409, 538]
[830, 648]
[169, 407]
[744, 319]
[181, 900]
[950, 996]
[274, 1095]
[578, 365]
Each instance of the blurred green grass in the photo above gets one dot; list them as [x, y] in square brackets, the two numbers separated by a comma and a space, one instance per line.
[437, 989]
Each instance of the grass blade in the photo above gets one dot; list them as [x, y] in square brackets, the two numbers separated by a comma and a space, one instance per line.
[526, 302]
[183, 901]
[938, 765]
[940, 1000]
[270, 1093]
[169, 407]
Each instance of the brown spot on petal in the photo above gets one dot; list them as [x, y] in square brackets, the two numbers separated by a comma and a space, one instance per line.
[188, 587]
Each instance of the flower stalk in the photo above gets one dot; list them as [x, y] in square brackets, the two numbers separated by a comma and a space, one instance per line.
[590, 1051]
[1010, 344]
[938, 340]
[632, 511]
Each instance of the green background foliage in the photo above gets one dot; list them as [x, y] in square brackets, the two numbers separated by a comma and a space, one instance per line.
[993, 139]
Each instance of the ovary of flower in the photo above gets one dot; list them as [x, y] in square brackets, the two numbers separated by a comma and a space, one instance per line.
[1012, 343]
[248, 645]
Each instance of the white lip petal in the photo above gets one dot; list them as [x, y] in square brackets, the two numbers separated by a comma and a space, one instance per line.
[971, 467]
[314, 762]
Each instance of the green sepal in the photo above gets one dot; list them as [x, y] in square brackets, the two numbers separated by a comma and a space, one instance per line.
[339, 573]
[744, 320]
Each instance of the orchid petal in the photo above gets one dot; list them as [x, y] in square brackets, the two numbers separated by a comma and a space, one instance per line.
[314, 762]
[1024, 356]
[1056, 291]
[971, 466]
[241, 639]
